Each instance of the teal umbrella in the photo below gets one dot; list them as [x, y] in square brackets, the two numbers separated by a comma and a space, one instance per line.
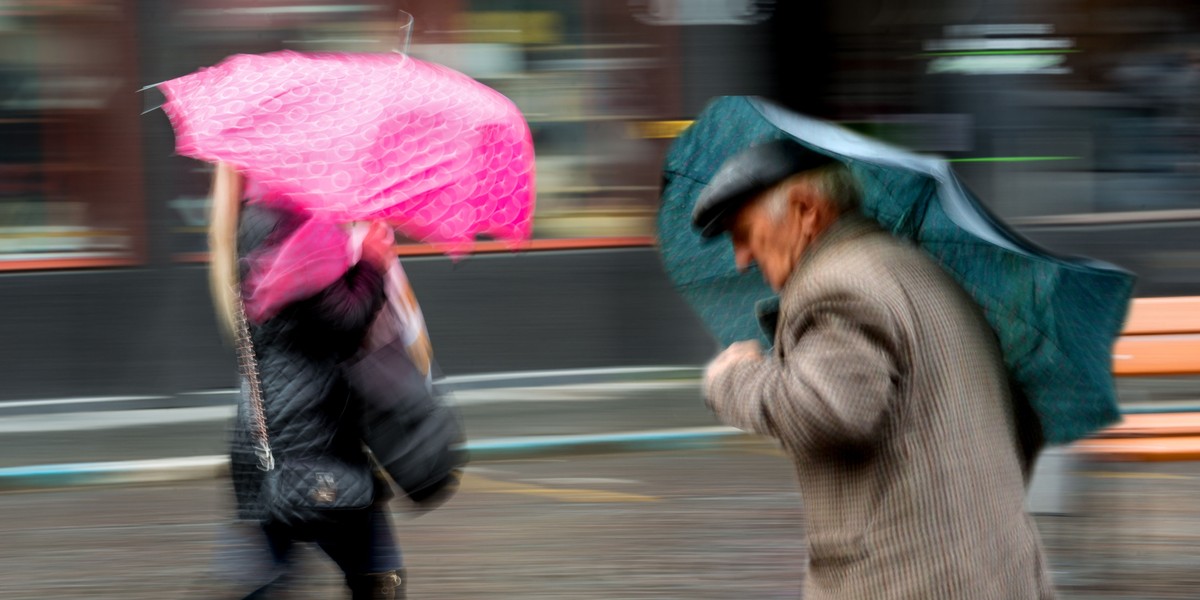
[1056, 318]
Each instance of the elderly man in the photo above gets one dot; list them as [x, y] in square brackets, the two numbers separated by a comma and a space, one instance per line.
[885, 386]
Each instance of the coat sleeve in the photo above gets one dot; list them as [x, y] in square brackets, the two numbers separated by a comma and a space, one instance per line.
[834, 385]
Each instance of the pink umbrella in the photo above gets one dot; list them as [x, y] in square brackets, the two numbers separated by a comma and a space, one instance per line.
[351, 137]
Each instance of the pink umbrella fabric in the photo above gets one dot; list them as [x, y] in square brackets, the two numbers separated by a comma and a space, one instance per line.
[353, 137]
[309, 260]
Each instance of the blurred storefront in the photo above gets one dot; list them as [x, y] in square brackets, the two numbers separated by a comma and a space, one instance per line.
[584, 73]
[76, 184]
[1071, 107]
[1066, 117]
[1073, 120]
[70, 168]
[1050, 109]
[93, 158]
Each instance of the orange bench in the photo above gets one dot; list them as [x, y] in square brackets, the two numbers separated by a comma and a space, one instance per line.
[1152, 449]
[1146, 438]
[1157, 425]
[1161, 337]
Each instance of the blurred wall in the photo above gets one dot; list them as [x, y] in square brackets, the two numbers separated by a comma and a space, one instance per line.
[151, 331]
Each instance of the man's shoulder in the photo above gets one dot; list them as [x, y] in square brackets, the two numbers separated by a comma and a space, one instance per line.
[874, 268]
[873, 258]
[883, 270]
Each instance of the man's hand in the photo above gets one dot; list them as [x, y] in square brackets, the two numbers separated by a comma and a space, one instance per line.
[736, 353]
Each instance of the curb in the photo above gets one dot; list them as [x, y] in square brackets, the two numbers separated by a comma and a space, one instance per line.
[193, 468]
[567, 377]
[486, 381]
[1161, 409]
[124, 472]
[523, 448]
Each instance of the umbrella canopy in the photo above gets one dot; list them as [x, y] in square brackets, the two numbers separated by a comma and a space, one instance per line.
[1056, 318]
[353, 137]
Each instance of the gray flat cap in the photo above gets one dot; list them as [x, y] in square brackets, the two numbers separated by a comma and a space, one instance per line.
[747, 174]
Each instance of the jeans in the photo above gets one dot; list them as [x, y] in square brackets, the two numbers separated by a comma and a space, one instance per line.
[360, 542]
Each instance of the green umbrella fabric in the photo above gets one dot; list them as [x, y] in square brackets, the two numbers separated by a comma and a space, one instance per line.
[1056, 317]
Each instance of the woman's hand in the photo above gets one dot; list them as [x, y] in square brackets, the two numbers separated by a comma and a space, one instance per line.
[377, 246]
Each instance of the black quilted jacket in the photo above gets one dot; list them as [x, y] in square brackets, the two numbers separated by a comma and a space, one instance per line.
[310, 410]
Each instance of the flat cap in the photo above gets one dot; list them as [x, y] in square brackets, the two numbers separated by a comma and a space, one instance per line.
[747, 174]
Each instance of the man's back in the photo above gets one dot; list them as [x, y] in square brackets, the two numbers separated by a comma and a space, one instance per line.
[925, 496]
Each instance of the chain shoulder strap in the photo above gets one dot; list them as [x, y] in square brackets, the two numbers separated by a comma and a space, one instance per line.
[253, 389]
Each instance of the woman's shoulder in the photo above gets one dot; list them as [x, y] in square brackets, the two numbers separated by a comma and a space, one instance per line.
[259, 222]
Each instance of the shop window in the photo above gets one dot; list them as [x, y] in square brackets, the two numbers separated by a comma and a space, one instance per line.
[70, 187]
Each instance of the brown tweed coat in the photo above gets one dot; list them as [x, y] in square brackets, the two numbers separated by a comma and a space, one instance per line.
[887, 389]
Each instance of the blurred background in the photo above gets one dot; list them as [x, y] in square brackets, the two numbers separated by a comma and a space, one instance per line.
[1076, 121]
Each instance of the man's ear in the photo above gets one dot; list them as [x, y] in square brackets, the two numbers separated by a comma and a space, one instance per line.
[802, 199]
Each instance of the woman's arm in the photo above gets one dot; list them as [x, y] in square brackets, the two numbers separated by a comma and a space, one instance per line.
[350, 304]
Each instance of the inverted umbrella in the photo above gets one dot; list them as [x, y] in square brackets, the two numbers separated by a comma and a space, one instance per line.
[1056, 318]
[356, 136]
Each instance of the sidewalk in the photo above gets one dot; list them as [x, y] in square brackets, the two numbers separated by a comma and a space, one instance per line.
[1126, 542]
[72, 442]
[704, 524]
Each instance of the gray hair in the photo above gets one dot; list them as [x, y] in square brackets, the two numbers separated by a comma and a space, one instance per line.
[835, 183]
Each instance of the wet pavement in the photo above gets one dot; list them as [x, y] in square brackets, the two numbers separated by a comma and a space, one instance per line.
[695, 524]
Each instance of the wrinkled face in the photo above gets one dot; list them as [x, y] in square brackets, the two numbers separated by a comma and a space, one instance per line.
[774, 237]
[760, 238]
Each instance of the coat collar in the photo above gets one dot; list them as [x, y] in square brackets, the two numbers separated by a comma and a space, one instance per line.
[847, 228]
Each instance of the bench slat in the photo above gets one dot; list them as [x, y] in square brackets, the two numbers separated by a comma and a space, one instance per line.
[1157, 355]
[1156, 449]
[1149, 316]
[1154, 425]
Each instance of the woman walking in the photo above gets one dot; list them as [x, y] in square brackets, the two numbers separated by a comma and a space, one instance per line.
[333, 347]
[311, 414]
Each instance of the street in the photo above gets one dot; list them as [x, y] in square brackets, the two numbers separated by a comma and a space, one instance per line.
[716, 523]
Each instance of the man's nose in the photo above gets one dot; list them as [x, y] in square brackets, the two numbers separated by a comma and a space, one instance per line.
[743, 259]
